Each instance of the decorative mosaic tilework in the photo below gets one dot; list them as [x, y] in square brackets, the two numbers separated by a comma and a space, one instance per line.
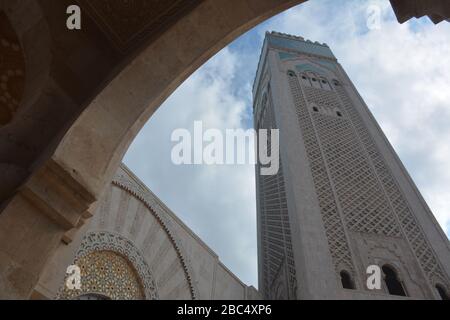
[107, 274]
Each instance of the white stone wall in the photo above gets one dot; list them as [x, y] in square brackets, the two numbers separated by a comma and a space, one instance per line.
[180, 264]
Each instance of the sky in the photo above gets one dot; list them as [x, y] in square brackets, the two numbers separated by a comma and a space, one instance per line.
[401, 71]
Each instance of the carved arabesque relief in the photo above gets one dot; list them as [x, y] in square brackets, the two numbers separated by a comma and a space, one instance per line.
[95, 248]
[12, 70]
[334, 227]
[410, 226]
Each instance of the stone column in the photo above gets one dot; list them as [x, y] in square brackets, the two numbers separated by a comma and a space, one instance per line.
[32, 225]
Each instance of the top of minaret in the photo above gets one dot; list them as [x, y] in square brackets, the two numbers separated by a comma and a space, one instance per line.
[292, 45]
[296, 44]
[293, 37]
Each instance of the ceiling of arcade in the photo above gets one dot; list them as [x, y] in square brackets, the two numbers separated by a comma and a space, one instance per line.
[50, 74]
[128, 23]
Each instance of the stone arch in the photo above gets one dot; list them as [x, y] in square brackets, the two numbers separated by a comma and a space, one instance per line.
[86, 158]
[393, 280]
[347, 281]
[94, 242]
[123, 182]
[92, 148]
[93, 122]
[442, 291]
[131, 222]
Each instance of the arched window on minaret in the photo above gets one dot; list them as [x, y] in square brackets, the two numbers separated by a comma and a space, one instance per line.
[346, 280]
[393, 283]
[305, 80]
[325, 84]
[442, 292]
[336, 83]
[315, 81]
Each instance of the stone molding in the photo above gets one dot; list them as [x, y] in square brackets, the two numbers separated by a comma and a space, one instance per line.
[59, 196]
[124, 182]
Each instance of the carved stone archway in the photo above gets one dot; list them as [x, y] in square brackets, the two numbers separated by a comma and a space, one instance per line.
[94, 93]
[97, 242]
[71, 170]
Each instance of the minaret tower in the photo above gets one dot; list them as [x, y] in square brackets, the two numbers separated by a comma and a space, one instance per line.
[341, 201]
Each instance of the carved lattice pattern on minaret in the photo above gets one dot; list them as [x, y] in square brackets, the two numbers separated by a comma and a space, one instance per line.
[410, 226]
[360, 195]
[334, 228]
[278, 260]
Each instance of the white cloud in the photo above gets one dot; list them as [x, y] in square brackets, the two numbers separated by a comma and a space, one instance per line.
[217, 202]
